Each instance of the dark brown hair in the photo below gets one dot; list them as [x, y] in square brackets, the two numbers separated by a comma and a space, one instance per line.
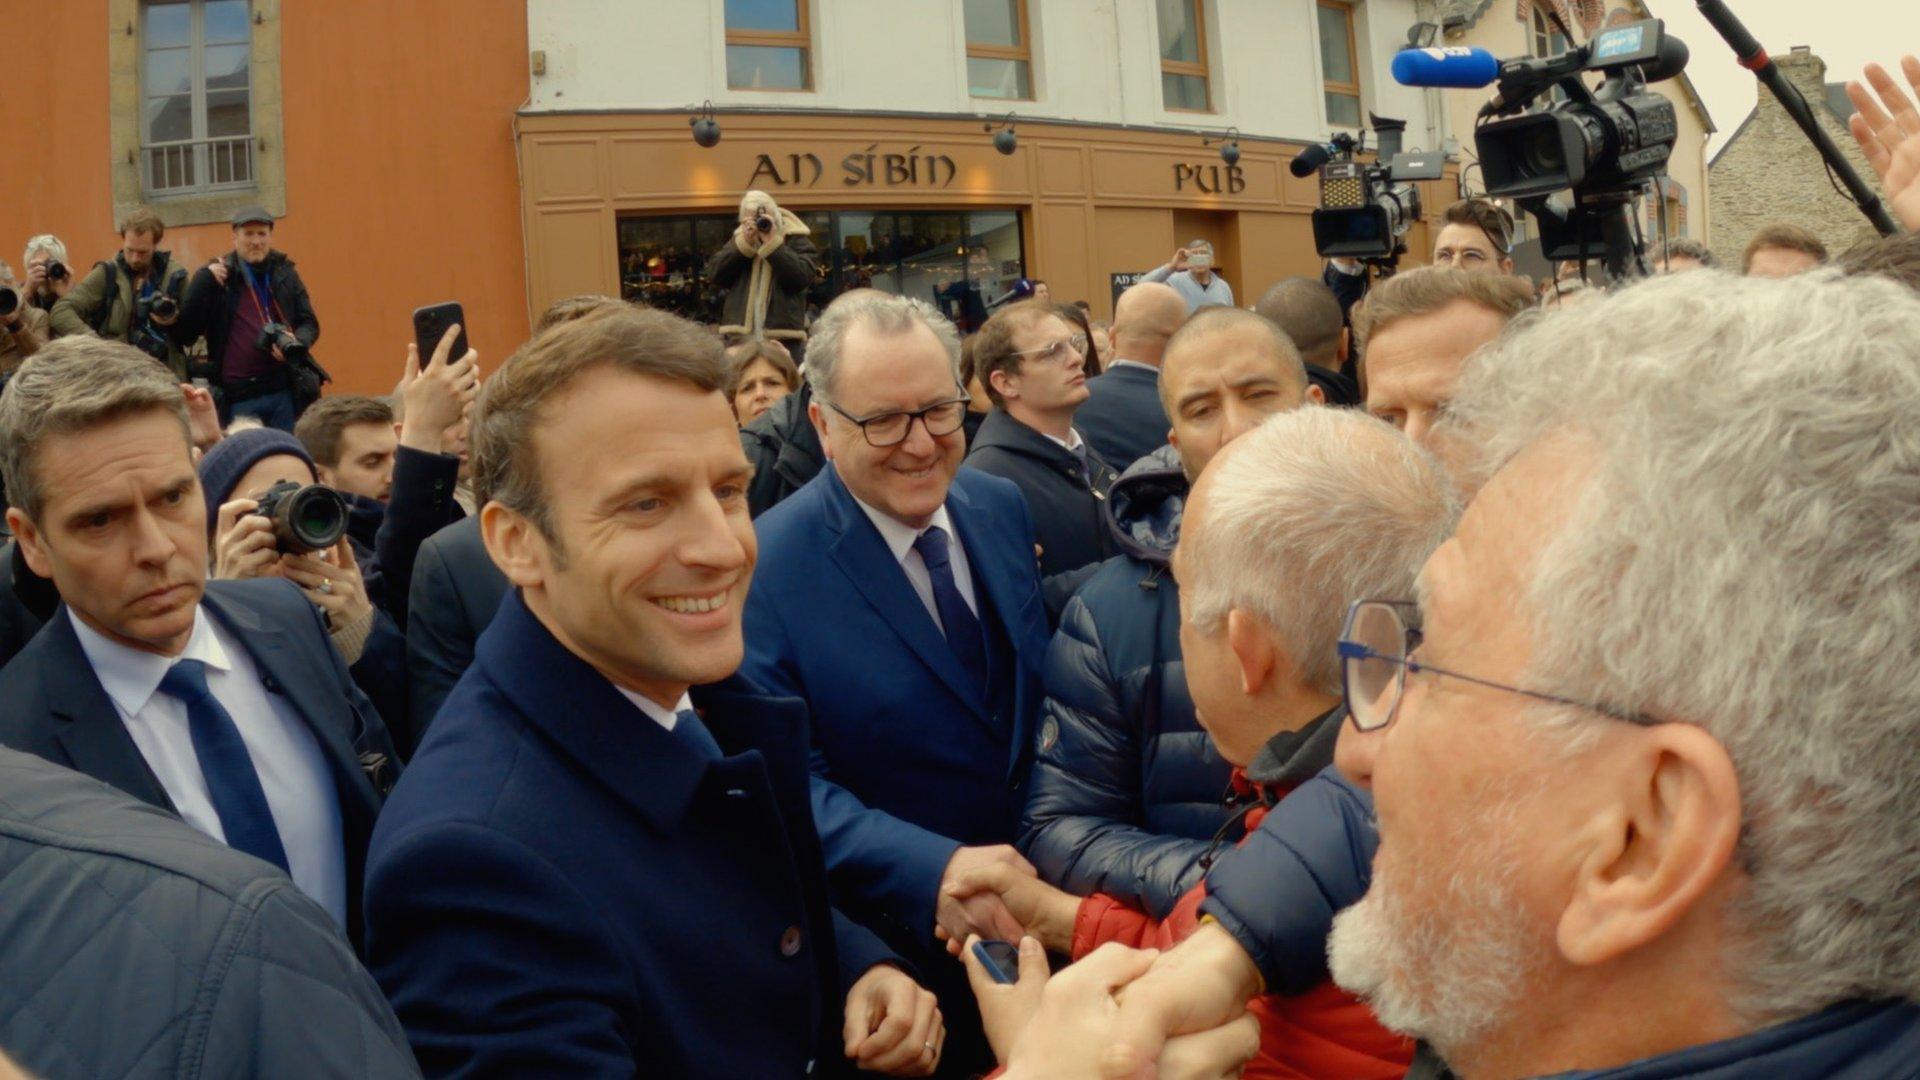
[993, 345]
[321, 426]
[742, 356]
[1487, 216]
[1785, 237]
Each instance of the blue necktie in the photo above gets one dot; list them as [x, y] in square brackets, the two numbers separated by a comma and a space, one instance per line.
[690, 729]
[232, 783]
[962, 628]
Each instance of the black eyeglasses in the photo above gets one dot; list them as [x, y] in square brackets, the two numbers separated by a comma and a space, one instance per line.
[882, 430]
[1376, 653]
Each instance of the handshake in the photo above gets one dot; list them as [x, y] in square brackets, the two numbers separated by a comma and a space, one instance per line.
[1119, 1012]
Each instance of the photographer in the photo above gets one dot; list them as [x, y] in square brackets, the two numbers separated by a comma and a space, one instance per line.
[23, 327]
[48, 277]
[259, 324]
[135, 298]
[1190, 272]
[766, 267]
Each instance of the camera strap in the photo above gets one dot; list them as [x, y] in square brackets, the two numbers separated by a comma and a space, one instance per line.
[268, 312]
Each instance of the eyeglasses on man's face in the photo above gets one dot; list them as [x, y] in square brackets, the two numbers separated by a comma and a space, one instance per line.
[1376, 656]
[1069, 351]
[886, 429]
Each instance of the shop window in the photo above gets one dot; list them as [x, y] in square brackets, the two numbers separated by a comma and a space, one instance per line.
[1339, 68]
[196, 127]
[769, 43]
[999, 57]
[960, 262]
[1184, 77]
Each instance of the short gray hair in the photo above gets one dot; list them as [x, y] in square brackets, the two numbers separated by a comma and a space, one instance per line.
[48, 243]
[69, 386]
[886, 315]
[1305, 514]
[1747, 559]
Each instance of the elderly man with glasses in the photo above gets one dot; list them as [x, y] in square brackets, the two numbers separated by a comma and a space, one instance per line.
[897, 596]
[1029, 361]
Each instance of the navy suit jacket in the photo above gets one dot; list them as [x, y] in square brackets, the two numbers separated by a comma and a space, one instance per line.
[907, 764]
[1122, 418]
[456, 589]
[561, 887]
[52, 705]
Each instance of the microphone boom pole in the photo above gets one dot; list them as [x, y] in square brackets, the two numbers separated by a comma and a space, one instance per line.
[1755, 59]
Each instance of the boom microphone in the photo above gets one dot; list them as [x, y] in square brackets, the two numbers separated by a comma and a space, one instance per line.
[1308, 161]
[1454, 67]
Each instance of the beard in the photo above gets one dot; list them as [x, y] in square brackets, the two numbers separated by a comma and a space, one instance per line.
[1441, 952]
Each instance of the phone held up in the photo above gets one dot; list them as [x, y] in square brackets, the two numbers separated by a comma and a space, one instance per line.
[430, 325]
[1000, 960]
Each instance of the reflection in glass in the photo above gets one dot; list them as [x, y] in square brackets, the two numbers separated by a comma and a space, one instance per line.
[1336, 46]
[763, 15]
[1343, 110]
[1179, 39]
[169, 119]
[991, 78]
[168, 22]
[225, 20]
[1183, 91]
[765, 67]
[227, 113]
[169, 71]
[993, 22]
[226, 66]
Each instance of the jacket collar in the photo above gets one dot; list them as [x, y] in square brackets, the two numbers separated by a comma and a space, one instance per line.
[1292, 757]
[1145, 505]
[575, 708]
[1002, 430]
[1861, 1040]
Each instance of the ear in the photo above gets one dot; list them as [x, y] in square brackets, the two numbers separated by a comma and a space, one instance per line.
[1314, 395]
[515, 544]
[1004, 384]
[1506, 264]
[324, 474]
[1663, 843]
[32, 545]
[1173, 437]
[1252, 645]
[818, 417]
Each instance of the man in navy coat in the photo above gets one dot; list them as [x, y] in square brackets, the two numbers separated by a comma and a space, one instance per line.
[899, 596]
[603, 861]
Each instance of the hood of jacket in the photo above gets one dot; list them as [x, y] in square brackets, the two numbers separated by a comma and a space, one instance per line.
[1144, 506]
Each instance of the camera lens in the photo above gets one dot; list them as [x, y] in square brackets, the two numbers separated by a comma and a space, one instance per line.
[1542, 154]
[9, 300]
[310, 519]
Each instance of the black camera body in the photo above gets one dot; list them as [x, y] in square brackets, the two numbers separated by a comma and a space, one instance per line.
[1366, 210]
[291, 347]
[57, 270]
[9, 300]
[763, 223]
[306, 517]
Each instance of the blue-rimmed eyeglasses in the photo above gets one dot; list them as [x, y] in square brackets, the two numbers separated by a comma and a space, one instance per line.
[1376, 655]
[882, 430]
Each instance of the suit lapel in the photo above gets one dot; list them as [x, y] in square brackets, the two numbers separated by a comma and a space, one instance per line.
[869, 564]
[87, 724]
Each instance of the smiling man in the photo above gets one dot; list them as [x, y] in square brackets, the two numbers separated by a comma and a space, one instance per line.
[605, 863]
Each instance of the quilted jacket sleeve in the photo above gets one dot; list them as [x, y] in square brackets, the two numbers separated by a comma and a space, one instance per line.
[1278, 892]
[1083, 825]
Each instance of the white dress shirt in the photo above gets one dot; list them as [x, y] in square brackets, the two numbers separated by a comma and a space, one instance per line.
[666, 718]
[287, 757]
[1071, 444]
[900, 537]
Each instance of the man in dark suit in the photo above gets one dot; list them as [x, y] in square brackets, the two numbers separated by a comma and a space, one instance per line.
[602, 861]
[898, 597]
[1122, 418]
[223, 701]
[456, 590]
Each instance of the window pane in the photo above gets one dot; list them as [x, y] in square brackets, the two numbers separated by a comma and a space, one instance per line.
[1183, 91]
[226, 66]
[225, 20]
[931, 254]
[169, 118]
[760, 67]
[997, 78]
[763, 14]
[993, 22]
[1343, 110]
[1336, 56]
[167, 23]
[1178, 39]
[169, 72]
[661, 259]
[227, 113]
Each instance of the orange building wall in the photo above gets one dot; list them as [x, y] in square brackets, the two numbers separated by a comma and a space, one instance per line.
[402, 185]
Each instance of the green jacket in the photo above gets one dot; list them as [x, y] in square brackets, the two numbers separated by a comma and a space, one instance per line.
[81, 310]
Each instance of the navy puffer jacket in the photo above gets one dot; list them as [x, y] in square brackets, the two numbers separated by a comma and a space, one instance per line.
[1127, 789]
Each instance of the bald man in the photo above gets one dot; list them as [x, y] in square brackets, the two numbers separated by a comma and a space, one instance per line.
[1122, 418]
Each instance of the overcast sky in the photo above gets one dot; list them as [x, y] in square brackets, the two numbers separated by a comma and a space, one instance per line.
[1847, 34]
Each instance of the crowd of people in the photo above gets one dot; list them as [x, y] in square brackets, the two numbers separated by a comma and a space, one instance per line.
[1422, 676]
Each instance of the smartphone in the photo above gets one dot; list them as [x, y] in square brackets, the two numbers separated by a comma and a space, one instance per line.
[430, 325]
[1000, 959]
[1202, 261]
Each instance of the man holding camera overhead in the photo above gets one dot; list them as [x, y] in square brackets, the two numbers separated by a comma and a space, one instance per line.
[259, 324]
[134, 298]
[1190, 272]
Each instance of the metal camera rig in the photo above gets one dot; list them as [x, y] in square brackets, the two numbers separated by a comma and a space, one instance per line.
[1366, 209]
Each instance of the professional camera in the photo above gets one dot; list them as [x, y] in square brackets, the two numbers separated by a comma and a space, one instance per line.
[9, 300]
[1365, 210]
[277, 334]
[763, 223]
[164, 306]
[305, 517]
[57, 270]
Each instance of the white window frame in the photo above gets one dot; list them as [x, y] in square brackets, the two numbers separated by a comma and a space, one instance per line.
[200, 149]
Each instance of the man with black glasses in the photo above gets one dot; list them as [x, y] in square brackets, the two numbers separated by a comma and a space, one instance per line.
[1029, 360]
[897, 595]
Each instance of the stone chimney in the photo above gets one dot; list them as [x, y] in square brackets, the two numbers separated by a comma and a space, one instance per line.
[1807, 72]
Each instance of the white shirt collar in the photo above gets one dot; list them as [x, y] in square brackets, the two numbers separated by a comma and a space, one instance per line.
[666, 718]
[898, 534]
[129, 675]
[1071, 443]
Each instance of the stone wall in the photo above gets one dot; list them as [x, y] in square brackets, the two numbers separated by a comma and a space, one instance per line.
[1771, 172]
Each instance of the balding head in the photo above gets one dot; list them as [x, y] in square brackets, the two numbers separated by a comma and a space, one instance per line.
[1307, 311]
[1143, 321]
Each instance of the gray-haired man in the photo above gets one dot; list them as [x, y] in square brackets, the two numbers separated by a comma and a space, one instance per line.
[1190, 272]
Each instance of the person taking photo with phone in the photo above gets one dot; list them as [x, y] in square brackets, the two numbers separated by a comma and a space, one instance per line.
[1190, 272]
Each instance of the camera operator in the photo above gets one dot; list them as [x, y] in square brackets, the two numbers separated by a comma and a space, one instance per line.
[23, 327]
[135, 298]
[770, 248]
[48, 277]
[259, 324]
